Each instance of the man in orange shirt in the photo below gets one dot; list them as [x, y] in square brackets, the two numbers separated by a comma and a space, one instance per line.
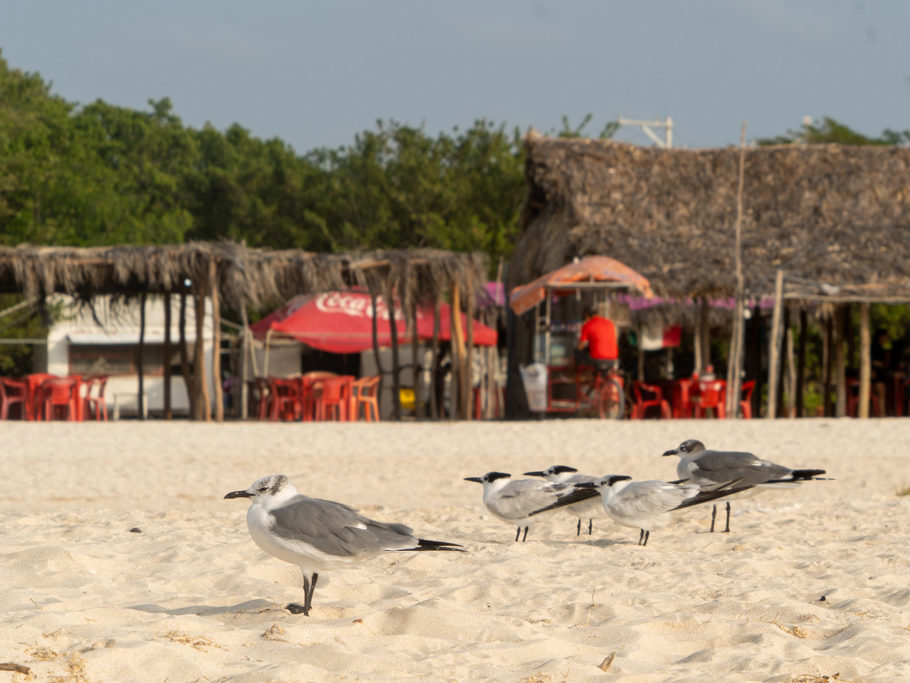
[597, 343]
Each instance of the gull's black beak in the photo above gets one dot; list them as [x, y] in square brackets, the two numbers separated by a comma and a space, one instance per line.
[618, 477]
[672, 451]
[535, 474]
[239, 494]
[477, 479]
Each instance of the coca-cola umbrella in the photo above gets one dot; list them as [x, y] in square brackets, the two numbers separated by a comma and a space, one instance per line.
[342, 322]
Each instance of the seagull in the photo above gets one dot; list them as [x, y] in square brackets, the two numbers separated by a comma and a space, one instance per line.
[642, 504]
[516, 500]
[563, 474]
[710, 469]
[318, 534]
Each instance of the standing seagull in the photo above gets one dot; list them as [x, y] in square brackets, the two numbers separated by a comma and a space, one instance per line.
[516, 500]
[319, 534]
[586, 509]
[643, 504]
[710, 469]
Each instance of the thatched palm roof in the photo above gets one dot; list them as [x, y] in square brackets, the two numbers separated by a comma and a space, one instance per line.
[255, 276]
[826, 214]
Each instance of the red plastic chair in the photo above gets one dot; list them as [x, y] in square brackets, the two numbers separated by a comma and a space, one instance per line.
[13, 392]
[93, 403]
[58, 396]
[711, 394]
[332, 396]
[745, 399]
[683, 407]
[365, 392]
[648, 396]
[285, 398]
[308, 399]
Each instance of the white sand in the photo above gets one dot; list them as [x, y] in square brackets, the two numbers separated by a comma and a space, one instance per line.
[192, 598]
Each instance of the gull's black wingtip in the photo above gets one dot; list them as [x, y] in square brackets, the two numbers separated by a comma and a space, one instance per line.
[424, 544]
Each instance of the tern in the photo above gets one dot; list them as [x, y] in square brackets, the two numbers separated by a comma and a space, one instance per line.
[643, 504]
[318, 534]
[587, 509]
[517, 500]
[711, 469]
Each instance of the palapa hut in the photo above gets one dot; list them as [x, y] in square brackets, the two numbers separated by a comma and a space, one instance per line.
[834, 220]
[236, 277]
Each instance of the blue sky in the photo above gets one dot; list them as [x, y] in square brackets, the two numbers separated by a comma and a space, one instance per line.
[316, 73]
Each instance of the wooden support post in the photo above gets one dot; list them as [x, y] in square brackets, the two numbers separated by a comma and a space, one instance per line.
[704, 320]
[388, 295]
[791, 370]
[640, 369]
[375, 333]
[774, 345]
[189, 378]
[216, 341]
[202, 409]
[435, 404]
[459, 370]
[827, 363]
[244, 363]
[168, 407]
[840, 363]
[140, 361]
[801, 361]
[468, 400]
[416, 370]
[735, 360]
[865, 361]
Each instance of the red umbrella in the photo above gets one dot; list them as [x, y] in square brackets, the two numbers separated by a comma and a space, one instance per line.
[342, 322]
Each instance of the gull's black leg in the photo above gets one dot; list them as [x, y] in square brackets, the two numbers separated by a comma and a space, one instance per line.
[304, 609]
[578, 528]
[647, 535]
[525, 537]
[713, 516]
[517, 533]
[641, 535]
[727, 528]
[590, 526]
[308, 601]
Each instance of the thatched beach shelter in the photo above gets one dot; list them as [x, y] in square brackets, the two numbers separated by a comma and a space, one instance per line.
[236, 277]
[833, 220]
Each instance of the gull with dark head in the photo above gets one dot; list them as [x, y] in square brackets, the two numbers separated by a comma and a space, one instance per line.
[712, 469]
[586, 509]
[517, 500]
[318, 534]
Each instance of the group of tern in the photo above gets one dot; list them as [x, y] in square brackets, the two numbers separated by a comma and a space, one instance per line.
[704, 476]
[318, 534]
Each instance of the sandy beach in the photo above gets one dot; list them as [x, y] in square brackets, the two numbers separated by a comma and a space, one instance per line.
[122, 562]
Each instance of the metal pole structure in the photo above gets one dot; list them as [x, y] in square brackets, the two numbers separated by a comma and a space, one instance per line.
[646, 126]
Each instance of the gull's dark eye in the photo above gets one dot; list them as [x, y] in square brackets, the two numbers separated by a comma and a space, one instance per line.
[263, 489]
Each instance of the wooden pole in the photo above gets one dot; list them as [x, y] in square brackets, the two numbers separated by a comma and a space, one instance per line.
[801, 361]
[168, 408]
[203, 409]
[865, 361]
[189, 378]
[458, 355]
[216, 341]
[375, 333]
[468, 401]
[140, 361]
[434, 361]
[791, 370]
[840, 363]
[244, 363]
[416, 366]
[827, 362]
[388, 295]
[774, 345]
[735, 362]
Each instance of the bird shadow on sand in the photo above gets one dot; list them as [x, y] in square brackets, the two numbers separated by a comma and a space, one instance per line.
[208, 610]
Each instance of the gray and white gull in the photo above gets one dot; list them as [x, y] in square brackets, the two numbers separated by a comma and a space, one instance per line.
[733, 469]
[318, 534]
